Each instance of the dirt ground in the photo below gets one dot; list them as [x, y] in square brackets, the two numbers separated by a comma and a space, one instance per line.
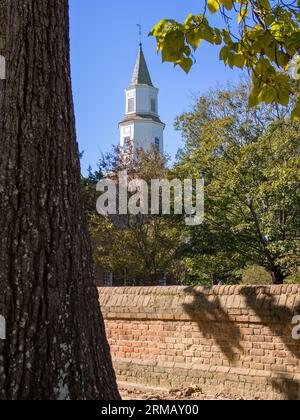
[130, 392]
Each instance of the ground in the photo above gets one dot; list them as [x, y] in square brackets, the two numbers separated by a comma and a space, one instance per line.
[132, 392]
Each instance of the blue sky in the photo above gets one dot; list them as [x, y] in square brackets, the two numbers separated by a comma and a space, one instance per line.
[104, 46]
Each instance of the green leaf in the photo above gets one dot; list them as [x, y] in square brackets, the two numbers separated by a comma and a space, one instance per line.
[186, 64]
[218, 37]
[267, 95]
[283, 97]
[296, 111]
[189, 20]
[224, 53]
[265, 4]
[194, 38]
[159, 28]
[253, 98]
[242, 15]
[227, 3]
[239, 61]
[213, 5]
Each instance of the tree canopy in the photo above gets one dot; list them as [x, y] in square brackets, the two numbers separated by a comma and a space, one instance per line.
[138, 249]
[261, 36]
[250, 159]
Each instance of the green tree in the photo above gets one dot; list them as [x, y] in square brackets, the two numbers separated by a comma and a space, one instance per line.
[261, 36]
[144, 248]
[251, 163]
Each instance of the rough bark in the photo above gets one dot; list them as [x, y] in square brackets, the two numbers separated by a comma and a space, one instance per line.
[56, 346]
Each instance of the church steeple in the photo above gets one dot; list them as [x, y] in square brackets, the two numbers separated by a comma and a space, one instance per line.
[141, 75]
[142, 125]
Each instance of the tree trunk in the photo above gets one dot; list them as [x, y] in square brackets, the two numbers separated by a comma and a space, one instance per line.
[277, 276]
[56, 346]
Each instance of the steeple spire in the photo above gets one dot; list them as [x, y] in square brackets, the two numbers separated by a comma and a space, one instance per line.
[140, 34]
[141, 75]
[142, 125]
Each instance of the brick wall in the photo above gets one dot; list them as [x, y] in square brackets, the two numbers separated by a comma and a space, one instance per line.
[234, 339]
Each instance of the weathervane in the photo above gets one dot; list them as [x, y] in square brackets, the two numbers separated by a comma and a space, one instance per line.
[140, 33]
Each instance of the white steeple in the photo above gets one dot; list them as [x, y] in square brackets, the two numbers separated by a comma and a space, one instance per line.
[142, 125]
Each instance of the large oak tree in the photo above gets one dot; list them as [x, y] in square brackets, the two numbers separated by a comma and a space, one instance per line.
[56, 346]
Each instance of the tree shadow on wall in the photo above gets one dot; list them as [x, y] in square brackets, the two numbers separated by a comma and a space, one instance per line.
[273, 316]
[290, 388]
[213, 322]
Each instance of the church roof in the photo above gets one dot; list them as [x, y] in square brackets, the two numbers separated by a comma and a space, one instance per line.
[141, 75]
[143, 117]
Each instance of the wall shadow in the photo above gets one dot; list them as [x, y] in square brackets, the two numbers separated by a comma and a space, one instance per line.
[273, 315]
[287, 387]
[213, 322]
[208, 316]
